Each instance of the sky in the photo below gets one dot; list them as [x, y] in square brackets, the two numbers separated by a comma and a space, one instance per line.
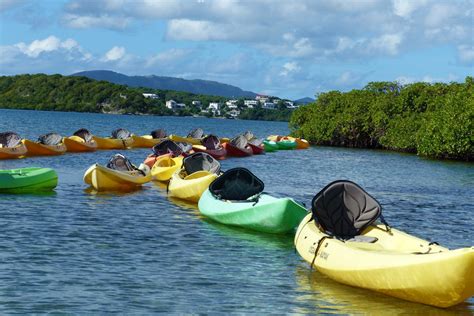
[286, 48]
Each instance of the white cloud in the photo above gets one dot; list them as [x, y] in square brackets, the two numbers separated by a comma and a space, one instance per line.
[387, 43]
[427, 78]
[166, 57]
[290, 67]
[35, 48]
[114, 54]
[405, 8]
[89, 21]
[466, 54]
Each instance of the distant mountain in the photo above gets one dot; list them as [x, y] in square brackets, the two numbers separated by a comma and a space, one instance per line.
[196, 86]
[304, 101]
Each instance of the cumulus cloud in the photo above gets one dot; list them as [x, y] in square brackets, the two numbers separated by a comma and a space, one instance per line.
[311, 29]
[290, 67]
[466, 54]
[88, 21]
[114, 54]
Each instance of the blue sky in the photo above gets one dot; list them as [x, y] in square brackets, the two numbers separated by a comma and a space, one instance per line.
[288, 48]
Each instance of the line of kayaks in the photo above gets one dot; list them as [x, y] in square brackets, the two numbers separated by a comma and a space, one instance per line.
[341, 236]
[13, 146]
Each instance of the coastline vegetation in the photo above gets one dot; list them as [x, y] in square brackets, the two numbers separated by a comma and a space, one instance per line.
[433, 120]
[81, 94]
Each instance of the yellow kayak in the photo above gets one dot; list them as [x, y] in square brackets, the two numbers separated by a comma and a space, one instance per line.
[13, 152]
[165, 167]
[105, 179]
[38, 149]
[78, 144]
[190, 187]
[189, 140]
[396, 264]
[144, 141]
[113, 143]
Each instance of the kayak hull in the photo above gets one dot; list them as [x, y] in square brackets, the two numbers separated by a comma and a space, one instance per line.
[113, 143]
[270, 146]
[191, 187]
[165, 166]
[77, 144]
[300, 142]
[145, 141]
[237, 152]
[257, 150]
[269, 214]
[25, 180]
[397, 264]
[219, 154]
[286, 144]
[13, 152]
[105, 179]
[37, 149]
[189, 140]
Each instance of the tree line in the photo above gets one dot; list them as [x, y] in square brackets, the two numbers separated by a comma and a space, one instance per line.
[433, 120]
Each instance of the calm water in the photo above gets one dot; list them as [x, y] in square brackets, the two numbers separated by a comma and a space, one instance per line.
[77, 252]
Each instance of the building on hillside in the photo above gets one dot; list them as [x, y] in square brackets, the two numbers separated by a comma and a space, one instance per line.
[234, 113]
[215, 108]
[231, 102]
[196, 103]
[150, 95]
[232, 106]
[250, 103]
[268, 106]
[173, 105]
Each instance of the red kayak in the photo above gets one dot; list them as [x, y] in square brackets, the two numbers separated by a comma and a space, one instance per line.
[238, 151]
[218, 153]
[257, 149]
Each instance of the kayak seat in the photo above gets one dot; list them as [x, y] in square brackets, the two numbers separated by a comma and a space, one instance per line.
[9, 139]
[344, 209]
[121, 163]
[196, 133]
[84, 134]
[167, 147]
[121, 133]
[237, 184]
[201, 162]
[50, 139]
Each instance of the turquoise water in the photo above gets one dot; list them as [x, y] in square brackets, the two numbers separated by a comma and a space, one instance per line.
[77, 252]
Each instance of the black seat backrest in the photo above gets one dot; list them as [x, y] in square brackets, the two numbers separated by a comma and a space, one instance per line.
[211, 142]
[237, 184]
[120, 162]
[10, 139]
[83, 133]
[201, 161]
[196, 133]
[256, 141]
[50, 139]
[344, 209]
[239, 141]
[167, 146]
[158, 133]
[121, 133]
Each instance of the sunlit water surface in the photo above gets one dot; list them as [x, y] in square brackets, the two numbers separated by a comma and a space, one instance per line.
[79, 252]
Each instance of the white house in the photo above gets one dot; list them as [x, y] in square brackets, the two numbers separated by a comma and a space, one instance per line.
[231, 102]
[234, 113]
[269, 105]
[196, 103]
[250, 103]
[150, 95]
[215, 108]
[173, 105]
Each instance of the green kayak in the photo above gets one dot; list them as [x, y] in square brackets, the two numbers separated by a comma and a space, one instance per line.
[270, 145]
[286, 144]
[27, 180]
[268, 214]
